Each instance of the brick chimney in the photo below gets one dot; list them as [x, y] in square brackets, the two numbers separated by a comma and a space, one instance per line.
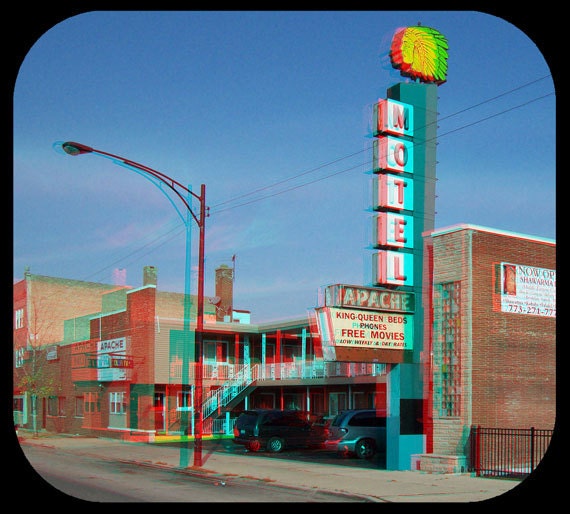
[225, 291]
[149, 276]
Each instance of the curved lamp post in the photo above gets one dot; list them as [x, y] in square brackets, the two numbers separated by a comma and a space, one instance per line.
[184, 194]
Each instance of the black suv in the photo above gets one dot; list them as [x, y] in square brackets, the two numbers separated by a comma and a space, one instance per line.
[274, 430]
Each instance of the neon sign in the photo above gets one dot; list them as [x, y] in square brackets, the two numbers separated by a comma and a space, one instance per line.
[393, 192]
[392, 229]
[393, 154]
[393, 117]
[365, 329]
[342, 295]
[393, 268]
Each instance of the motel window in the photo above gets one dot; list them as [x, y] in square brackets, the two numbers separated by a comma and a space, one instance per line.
[79, 403]
[117, 403]
[293, 401]
[56, 406]
[92, 403]
[448, 348]
[361, 400]
[337, 403]
[290, 352]
[215, 351]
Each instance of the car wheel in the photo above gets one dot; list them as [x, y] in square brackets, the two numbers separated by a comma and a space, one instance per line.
[365, 449]
[253, 446]
[275, 445]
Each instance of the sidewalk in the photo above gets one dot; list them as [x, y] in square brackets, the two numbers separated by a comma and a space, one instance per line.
[376, 485]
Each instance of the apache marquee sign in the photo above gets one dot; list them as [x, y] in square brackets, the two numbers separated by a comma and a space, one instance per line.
[342, 295]
[365, 324]
[356, 335]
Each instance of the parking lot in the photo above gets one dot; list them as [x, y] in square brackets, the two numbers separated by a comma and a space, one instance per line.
[300, 455]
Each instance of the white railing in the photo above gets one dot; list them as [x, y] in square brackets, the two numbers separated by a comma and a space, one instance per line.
[303, 370]
[222, 396]
[238, 378]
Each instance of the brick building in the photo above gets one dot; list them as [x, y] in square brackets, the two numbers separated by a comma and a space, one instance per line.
[128, 369]
[491, 359]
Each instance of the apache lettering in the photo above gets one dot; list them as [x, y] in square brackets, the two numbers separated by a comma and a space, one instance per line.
[374, 299]
[111, 345]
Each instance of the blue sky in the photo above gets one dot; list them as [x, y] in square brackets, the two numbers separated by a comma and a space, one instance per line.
[271, 111]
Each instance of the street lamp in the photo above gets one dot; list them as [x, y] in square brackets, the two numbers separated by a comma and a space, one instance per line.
[73, 148]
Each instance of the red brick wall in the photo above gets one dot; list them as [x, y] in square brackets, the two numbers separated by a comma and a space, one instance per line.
[507, 361]
[141, 311]
[514, 364]
[53, 300]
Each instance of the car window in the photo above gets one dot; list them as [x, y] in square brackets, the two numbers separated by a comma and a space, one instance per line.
[367, 419]
[247, 418]
[272, 418]
[339, 419]
[294, 420]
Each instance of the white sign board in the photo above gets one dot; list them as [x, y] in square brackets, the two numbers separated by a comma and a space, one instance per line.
[528, 290]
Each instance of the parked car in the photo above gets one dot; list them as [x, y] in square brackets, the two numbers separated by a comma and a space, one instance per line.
[274, 430]
[358, 432]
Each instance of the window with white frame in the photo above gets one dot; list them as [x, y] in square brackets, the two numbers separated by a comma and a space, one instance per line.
[19, 357]
[118, 403]
[184, 400]
[19, 318]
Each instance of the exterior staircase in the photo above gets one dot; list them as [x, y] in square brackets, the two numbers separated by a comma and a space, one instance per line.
[221, 397]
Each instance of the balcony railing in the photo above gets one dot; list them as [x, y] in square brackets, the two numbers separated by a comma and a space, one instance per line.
[222, 372]
[235, 379]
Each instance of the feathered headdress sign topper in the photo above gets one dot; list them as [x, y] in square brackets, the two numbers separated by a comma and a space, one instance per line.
[420, 53]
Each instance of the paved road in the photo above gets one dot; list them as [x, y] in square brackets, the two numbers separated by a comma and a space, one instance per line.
[89, 478]
[375, 484]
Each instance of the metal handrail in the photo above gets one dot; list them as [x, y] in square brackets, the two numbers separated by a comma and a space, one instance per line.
[220, 397]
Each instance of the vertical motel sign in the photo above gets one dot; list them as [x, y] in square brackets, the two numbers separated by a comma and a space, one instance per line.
[393, 194]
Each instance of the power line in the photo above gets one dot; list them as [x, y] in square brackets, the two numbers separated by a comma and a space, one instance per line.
[367, 162]
[213, 209]
[287, 180]
[320, 167]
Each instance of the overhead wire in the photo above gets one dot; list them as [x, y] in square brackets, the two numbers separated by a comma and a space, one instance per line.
[214, 209]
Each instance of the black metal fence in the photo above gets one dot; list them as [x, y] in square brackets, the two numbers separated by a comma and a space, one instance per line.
[507, 452]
